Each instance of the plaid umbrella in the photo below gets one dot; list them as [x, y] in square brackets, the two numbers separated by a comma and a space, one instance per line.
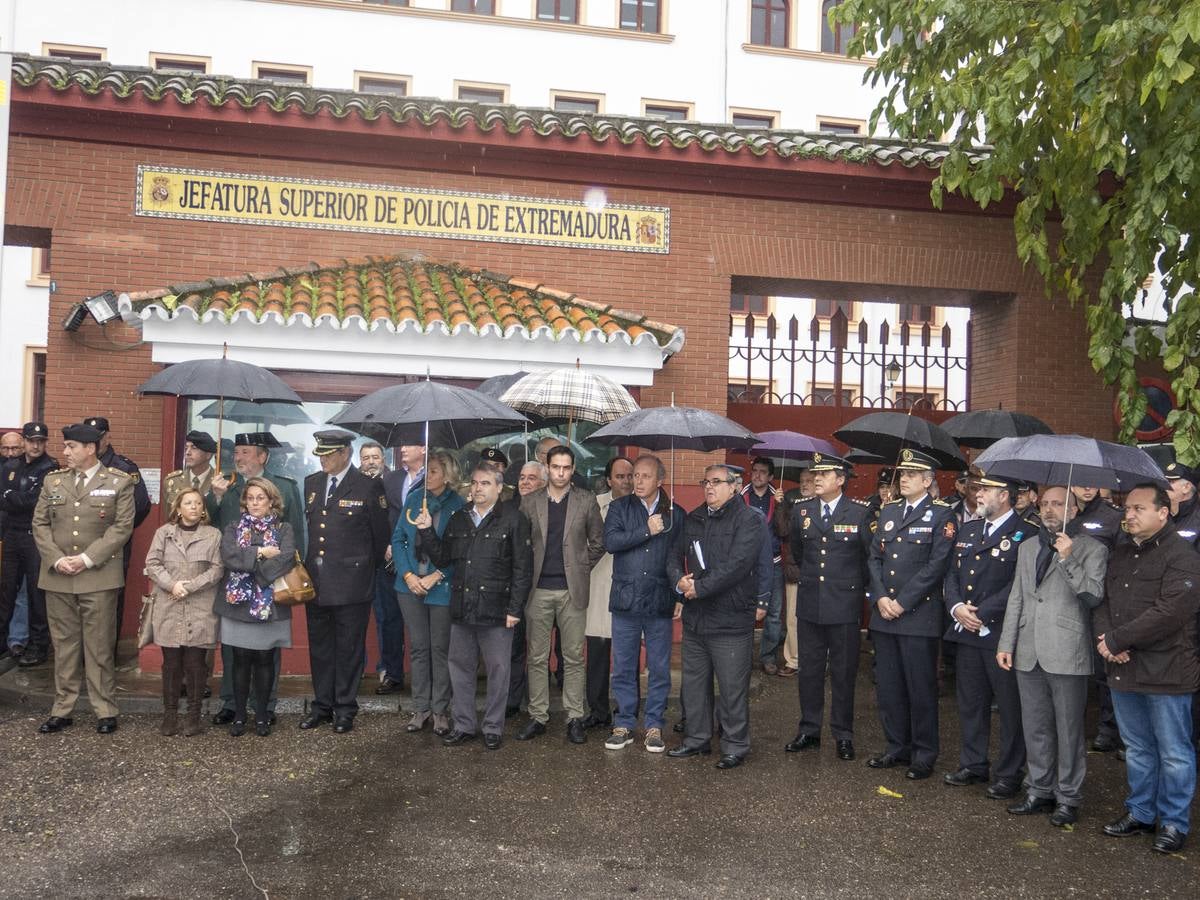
[571, 394]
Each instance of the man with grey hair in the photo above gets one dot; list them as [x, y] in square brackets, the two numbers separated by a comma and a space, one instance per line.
[533, 477]
[714, 578]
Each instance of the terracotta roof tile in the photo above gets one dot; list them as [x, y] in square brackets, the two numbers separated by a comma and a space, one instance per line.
[400, 292]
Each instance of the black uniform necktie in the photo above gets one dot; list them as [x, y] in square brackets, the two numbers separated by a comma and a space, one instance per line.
[907, 510]
[332, 488]
[826, 515]
[987, 529]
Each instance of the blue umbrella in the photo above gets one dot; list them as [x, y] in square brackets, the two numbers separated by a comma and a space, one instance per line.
[790, 445]
[1070, 459]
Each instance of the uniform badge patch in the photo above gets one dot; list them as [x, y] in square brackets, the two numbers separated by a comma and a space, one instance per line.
[1005, 544]
[995, 551]
[928, 517]
[312, 498]
[889, 526]
[807, 523]
[136, 476]
[948, 531]
[12, 476]
[383, 501]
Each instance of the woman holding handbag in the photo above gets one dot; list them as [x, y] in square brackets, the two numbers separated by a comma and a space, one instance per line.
[184, 566]
[424, 593]
[256, 549]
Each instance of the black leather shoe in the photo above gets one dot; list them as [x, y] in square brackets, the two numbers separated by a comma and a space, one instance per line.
[107, 725]
[729, 762]
[492, 741]
[590, 722]
[262, 729]
[1002, 789]
[271, 719]
[315, 720]
[31, 657]
[1127, 825]
[238, 728]
[1106, 743]
[456, 737]
[55, 724]
[802, 742]
[886, 761]
[680, 726]
[224, 717]
[343, 725]
[1170, 840]
[388, 686]
[510, 711]
[1064, 815]
[918, 773]
[576, 733]
[845, 750]
[683, 751]
[530, 730]
[962, 778]
[1031, 806]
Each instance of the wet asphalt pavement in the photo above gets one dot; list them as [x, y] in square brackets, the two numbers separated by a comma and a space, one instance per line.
[380, 813]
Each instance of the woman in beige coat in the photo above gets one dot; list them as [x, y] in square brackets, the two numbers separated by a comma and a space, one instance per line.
[184, 565]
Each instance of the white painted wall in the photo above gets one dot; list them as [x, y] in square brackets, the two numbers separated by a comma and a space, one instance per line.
[23, 312]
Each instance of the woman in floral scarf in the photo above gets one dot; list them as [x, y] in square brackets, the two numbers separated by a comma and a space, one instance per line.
[256, 549]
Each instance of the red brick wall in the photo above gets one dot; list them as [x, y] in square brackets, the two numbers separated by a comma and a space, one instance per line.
[84, 192]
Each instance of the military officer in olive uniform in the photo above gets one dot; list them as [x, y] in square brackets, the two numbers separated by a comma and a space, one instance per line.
[830, 539]
[84, 516]
[20, 485]
[197, 471]
[251, 454]
[976, 595]
[909, 556]
[348, 526]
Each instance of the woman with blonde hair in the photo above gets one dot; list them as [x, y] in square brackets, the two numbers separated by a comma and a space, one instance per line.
[256, 549]
[184, 566]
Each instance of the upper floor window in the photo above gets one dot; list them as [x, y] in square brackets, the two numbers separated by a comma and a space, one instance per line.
[582, 103]
[675, 112]
[748, 119]
[282, 72]
[916, 313]
[481, 93]
[379, 83]
[75, 52]
[641, 15]
[840, 126]
[558, 10]
[754, 304]
[834, 39]
[174, 62]
[479, 7]
[826, 308]
[769, 22]
[39, 275]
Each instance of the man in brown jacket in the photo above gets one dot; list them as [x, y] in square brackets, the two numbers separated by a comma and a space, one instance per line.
[568, 540]
[83, 518]
[1146, 633]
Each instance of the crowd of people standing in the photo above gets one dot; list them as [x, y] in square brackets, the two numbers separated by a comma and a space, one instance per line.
[1027, 591]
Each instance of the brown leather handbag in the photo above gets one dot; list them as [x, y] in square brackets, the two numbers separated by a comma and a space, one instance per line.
[295, 587]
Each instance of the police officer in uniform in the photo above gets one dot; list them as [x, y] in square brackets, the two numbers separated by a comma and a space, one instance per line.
[347, 516]
[20, 484]
[1027, 503]
[1185, 511]
[84, 516]
[976, 595]
[830, 538]
[251, 454]
[111, 459]
[910, 552]
[197, 471]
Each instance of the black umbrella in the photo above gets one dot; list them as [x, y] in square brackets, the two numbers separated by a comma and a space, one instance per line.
[1070, 459]
[676, 427]
[245, 412]
[981, 428]
[219, 379]
[863, 458]
[424, 411]
[887, 433]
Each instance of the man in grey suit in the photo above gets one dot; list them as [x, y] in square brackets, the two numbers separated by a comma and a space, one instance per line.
[568, 540]
[1046, 638]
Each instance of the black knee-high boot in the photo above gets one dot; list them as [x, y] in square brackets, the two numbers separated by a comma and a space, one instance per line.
[172, 677]
[195, 674]
[264, 674]
[243, 666]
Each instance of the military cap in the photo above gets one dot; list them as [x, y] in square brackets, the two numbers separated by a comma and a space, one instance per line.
[202, 440]
[82, 433]
[1027, 486]
[886, 475]
[35, 431]
[1177, 470]
[915, 461]
[985, 480]
[263, 439]
[332, 441]
[825, 462]
[494, 455]
[98, 422]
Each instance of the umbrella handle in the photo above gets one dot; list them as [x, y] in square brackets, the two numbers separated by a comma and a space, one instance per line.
[424, 509]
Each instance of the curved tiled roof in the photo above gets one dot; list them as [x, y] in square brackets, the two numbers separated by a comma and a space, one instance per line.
[401, 293]
[217, 90]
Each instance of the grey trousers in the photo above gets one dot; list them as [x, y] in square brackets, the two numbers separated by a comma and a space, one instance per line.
[1052, 717]
[467, 643]
[729, 658]
[428, 645]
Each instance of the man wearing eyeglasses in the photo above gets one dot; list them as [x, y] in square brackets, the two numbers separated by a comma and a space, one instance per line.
[717, 580]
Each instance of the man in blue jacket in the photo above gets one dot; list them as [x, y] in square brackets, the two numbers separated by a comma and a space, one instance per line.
[642, 531]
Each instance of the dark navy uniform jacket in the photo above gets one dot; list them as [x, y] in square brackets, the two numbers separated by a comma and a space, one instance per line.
[347, 536]
[141, 498]
[981, 573]
[1187, 522]
[1099, 519]
[20, 484]
[909, 557]
[832, 559]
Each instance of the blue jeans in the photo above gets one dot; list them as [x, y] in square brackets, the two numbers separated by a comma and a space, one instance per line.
[627, 633]
[772, 629]
[18, 625]
[389, 626]
[1160, 761]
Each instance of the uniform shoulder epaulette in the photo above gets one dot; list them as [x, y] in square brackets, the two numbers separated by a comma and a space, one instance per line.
[940, 502]
[1114, 506]
[894, 502]
[176, 472]
[804, 499]
[59, 471]
[860, 501]
[115, 472]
